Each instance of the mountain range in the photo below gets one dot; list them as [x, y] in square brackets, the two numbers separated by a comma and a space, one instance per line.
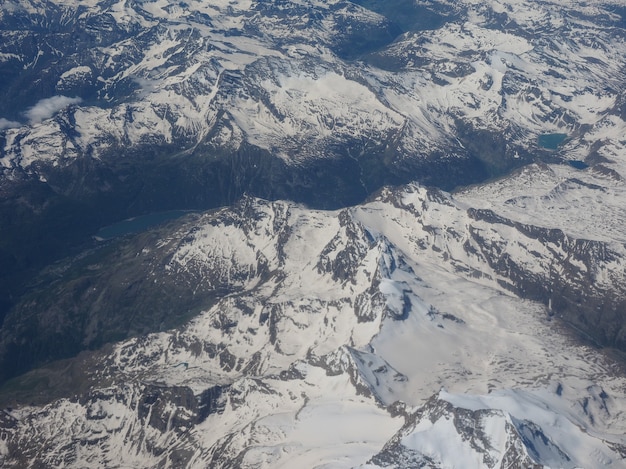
[403, 244]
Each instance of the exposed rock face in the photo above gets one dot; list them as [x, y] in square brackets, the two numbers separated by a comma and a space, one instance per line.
[295, 304]
[137, 414]
[109, 112]
[506, 429]
[274, 333]
[158, 280]
[512, 451]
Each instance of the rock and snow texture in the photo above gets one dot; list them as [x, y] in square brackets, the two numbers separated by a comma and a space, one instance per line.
[302, 79]
[502, 429]
[339, 330]
[344, 326]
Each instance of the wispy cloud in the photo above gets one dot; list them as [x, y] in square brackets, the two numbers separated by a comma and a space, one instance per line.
[48, 107]
[7, 124]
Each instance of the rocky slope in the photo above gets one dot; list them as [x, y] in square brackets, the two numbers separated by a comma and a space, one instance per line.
[340, 320]
[277, 334]
[110, 109]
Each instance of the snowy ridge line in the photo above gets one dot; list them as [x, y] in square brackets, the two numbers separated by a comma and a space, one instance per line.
[325, 338]
[503, 429]
[429, 91]
[366, 314]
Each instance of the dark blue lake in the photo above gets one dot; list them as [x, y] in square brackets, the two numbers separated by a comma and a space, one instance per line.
[578, 164]
[551, 141]
[138, 224]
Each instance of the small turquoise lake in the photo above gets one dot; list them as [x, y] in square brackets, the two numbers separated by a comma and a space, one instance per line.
[138, 224]
[551, 141]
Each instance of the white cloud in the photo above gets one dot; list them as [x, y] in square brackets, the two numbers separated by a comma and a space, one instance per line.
[48, 107]
[7, 124]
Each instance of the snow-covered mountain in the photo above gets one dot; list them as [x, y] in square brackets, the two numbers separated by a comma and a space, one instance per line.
[301, 79]
[112, 109]
[339, 329]
[503, 429]
[259, 93]
[417, 328]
